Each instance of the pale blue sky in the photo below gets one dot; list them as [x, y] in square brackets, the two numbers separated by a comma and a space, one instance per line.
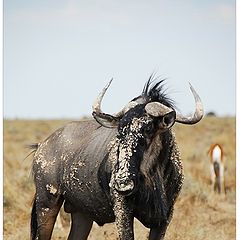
[59, 54]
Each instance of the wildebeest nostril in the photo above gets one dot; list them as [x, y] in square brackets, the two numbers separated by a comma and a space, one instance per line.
[125, 187]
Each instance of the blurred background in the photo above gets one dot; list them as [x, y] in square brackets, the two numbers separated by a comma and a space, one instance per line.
[58, 55]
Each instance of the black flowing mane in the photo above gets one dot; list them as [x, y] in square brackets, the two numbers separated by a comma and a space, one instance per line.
[153, 91]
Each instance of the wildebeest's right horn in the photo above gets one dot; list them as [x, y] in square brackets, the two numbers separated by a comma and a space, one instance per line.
[102, 118]
[197, 116]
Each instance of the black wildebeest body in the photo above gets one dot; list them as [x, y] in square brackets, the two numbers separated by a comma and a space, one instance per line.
[113, 169]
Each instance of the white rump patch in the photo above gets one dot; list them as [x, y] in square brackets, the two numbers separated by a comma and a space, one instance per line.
[216, 154]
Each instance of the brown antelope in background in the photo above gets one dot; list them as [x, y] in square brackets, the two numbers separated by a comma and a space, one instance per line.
[217, 168]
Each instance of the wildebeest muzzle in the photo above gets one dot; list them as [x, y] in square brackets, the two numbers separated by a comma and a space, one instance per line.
[126, 182]
[125, 173]
[125, 186]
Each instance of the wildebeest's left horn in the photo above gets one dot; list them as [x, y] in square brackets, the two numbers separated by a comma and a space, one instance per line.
[197, 116]
[102, 118]
[157, 109]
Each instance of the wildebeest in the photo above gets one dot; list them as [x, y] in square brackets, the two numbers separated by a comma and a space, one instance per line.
[217, 168]
[112, 168]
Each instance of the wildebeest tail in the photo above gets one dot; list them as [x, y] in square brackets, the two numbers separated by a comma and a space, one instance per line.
[33, 147]
[34, 224]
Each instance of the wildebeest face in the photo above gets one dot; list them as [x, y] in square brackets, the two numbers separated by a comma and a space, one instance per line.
[136, 130]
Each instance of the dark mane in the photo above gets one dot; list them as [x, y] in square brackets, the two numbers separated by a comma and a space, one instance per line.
[153, 92]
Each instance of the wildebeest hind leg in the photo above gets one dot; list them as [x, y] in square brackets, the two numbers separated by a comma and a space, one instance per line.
[80, 226]
[43, 217]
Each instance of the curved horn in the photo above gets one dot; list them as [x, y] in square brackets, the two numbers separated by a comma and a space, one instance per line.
[96, 107]
[102, 118]
[157, 109]
[105, 119]
[197, 116]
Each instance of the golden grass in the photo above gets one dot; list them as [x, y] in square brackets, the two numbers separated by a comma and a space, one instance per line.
[199, 213]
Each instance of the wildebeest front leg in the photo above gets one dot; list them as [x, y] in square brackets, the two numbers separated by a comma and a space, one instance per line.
[80, 226]
[123, 217]
[157, 233]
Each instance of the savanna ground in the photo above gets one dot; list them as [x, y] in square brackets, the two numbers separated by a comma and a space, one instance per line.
[199, 213]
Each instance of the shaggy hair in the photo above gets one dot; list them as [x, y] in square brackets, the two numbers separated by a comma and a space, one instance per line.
[153, 91]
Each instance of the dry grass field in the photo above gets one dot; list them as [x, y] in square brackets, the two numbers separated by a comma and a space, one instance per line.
[199, 213]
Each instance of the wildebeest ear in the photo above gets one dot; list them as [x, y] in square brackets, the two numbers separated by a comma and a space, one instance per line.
[167, 120]
[106, 120]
